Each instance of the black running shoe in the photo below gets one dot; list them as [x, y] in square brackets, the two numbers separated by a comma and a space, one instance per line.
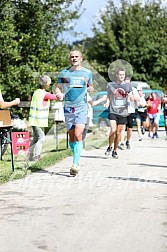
[142, 130]
[108, 151]
[114, 154]
[127, 145]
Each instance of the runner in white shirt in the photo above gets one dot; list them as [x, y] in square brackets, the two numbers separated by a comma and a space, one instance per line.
[141, 112]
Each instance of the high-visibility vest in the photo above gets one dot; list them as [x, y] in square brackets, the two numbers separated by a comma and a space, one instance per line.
[39, 109]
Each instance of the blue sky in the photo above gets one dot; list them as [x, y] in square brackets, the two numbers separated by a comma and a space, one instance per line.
[92, 9]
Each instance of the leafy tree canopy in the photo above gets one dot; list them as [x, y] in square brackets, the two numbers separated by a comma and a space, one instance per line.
[30, 43]
[135, 32]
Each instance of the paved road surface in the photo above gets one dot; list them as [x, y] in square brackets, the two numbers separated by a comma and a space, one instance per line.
[111, 206]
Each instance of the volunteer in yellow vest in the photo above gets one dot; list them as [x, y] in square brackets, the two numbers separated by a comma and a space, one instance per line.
[38, 116]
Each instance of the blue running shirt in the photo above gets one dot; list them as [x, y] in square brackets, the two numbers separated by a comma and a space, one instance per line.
[75, 85]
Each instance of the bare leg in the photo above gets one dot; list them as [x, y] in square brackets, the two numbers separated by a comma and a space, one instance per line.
[122, 134]
[138, 122]
[129, 133]
[113, 126]
[118, 136]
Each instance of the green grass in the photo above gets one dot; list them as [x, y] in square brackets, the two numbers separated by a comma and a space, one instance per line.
[96, 138]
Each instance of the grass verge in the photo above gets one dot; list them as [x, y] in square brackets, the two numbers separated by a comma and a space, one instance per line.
[96, 138]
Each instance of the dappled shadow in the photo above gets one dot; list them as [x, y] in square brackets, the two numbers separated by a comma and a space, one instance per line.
[64, 174]
[139, 180]
[95, 147]
[62, 149]
[83, 155]
[5, 160]
[149, 165]
[55, 150]
[148, 147]
[34, 169]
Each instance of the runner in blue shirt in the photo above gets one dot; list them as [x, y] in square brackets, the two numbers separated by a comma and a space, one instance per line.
[76, 81]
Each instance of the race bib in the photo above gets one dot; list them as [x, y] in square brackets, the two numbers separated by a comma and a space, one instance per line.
[119, 103]
[69, 110]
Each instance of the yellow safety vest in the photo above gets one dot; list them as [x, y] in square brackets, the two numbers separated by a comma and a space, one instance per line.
[39, 109]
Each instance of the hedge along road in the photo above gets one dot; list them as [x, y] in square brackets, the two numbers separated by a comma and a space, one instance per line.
[112, 205]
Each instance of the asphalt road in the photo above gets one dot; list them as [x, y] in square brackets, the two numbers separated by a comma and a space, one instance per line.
[110, 206]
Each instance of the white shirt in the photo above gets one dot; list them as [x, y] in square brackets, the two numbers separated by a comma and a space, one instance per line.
[141, 103]
[132, 105]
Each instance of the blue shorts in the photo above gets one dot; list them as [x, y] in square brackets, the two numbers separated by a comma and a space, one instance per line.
[153, 118]
[75, 115]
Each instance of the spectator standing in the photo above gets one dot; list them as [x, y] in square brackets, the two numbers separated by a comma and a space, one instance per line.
[75, 80]
[38, 116]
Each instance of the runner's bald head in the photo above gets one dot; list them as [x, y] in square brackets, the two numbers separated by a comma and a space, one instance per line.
[76, 51]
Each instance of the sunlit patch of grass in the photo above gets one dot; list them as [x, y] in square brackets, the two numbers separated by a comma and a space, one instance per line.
[97, 138]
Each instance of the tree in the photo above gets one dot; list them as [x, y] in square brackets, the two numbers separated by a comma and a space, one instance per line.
[30, 42]
[137, 33]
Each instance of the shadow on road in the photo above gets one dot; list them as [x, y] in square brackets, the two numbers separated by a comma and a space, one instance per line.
[64, 174]
[149, 165]
[139, 180]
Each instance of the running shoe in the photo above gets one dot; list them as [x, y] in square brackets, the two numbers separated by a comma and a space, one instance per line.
[140, 139]
[74, 169]
[153, 136]
[156, 135]
[108, 151]
[121, 146]
[142, 130]
[114, 154]
[127, 145]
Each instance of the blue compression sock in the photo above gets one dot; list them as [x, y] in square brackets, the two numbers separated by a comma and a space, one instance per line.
[77, 151]
[71, 146]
